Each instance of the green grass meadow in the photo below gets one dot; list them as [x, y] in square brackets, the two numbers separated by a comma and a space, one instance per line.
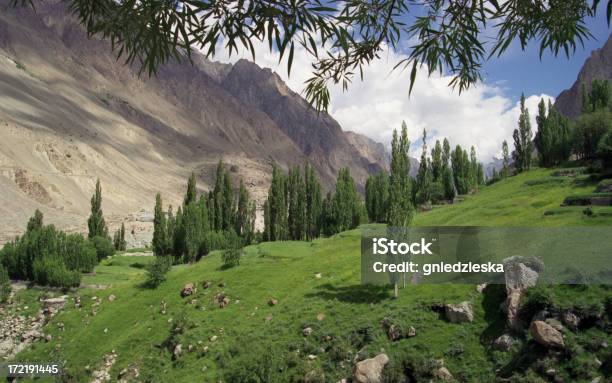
[258, 342]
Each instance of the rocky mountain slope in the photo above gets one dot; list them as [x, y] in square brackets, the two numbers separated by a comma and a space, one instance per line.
[70, 112]
[597, 66]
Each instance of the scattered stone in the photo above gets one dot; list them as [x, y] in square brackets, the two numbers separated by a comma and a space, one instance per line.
[318, 275]
[103, 373]
[546, 335]
[503, 343]
[190, 348]
[370, 370]
[307, 331]
[163, 307]
[320, 316]
[570, 320]
[272, 302]
[105, 330]
[213, 338]
[111, 297]
[518, 277]
[222, 284]
[206, 284]
[411, 332]
[444, 374]
[222, 300]
[48, 338]
[178, 350]
[129, 374]
[481, 287]
[459, 313]
[188, 289]
[311, 357]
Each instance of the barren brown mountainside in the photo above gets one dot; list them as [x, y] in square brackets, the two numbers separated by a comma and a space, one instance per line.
[597, 67]
[70, 112]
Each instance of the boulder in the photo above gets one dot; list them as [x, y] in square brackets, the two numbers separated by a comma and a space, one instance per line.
[188, 289]
[546, 335]
[370, 370]
[518, 278]
[307, 331]
[459, 313]
[222, 300]
[503, 343]
[443, 374]
[411, 332]
[570, 320]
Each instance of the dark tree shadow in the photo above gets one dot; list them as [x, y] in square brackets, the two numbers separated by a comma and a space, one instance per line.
[353, 293]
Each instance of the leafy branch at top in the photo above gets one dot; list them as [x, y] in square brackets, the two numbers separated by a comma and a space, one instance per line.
[342, 36]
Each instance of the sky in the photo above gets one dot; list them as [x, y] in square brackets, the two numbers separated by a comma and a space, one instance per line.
[483, 116]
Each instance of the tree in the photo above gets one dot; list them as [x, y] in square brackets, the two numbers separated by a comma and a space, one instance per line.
[160, 235]
[473, 170]
[345, 205]
[422, 191]
[598, 97]
[119, 239]
[461, 170]
[276, 225]
[295, 204]
[313, 203]
[506, 160]
[377, 197]
[400, 194]
[341, 39]
[95, 223]
[436, 162]
[36, 221]
[523, 146]
[447, 175]
[191, 193]
[5, 285]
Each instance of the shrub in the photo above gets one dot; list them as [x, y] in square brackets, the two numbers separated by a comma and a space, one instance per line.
[5, 285]
[156, 271]
[52, 271]
[104, 246]
[231, 257]
[78, 253]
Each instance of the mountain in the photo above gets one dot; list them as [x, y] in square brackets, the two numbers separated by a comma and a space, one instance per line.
[597, 66]
[71, 112]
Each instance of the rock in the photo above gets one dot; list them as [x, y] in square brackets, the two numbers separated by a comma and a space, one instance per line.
[443, 374]
[222, 300]
[178, 350]
[213, 338]
[272, 302]
[48, 338]
[206, 284]
[188, 289]
[503, 343]
[546, 335]
[311, 357]
[314, 376]
[320, 316]
[459, 313]
[411, 332]
[370, 370]
[307, 331]
[481, 287]
[518, 278]
[393, 331]
[318, 275]
[111, 297]
[570, 320]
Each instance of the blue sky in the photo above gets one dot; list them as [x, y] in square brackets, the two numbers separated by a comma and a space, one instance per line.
[519, 71]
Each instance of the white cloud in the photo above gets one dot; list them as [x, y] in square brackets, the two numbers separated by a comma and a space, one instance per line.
[482, 116]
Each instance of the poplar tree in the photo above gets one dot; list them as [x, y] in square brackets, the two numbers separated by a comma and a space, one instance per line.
[96, 223]
[295, 204]
[190, 195]
[436, 162]
[506, 160]
[277, 207]
[447, 174]
[460, 165]
[346, 209]
[523, 145]
[400, 204]
[423, 180]
[473, 169]
[313, 203]
[160, 237]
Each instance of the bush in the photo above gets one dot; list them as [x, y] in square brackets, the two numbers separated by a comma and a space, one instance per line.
[52, 271]
[104, 247]
[231, 257]
[604, 148]
[5, 285]
[157, 270]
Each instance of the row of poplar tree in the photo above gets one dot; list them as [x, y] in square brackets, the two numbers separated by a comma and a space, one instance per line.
[589, 137]
[219, 219]
[440, 177]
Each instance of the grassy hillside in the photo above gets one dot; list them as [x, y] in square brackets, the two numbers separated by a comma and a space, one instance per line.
[317, 285]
